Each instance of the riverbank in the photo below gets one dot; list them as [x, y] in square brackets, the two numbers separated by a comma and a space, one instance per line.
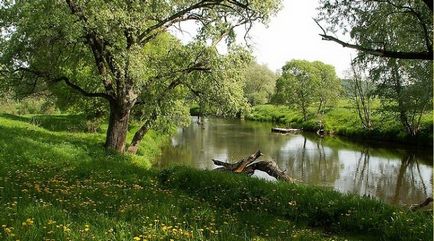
[57, 183]
[342, 120]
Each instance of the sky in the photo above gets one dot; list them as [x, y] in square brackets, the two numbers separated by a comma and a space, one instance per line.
[292, 34]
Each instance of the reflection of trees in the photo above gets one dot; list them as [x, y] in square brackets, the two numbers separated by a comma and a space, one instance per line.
[312, 162]
[405, 162]
[388, 181]
[421, 178]
[303, 155]
[411, 186]
[361, 175]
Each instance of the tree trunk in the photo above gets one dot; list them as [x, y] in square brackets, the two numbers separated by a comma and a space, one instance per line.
[117, 129]
[138, 136]
[304, 111]
[320, 106]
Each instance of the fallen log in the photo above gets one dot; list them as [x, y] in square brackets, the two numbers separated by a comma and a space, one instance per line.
[249, 165]
[284, 130]
[425, 203]
[238, 166]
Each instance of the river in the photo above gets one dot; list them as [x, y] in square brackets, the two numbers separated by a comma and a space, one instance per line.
[395, 174]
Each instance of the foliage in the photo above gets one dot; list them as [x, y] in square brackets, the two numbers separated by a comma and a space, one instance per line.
[297, 85]
[304, 83]
[259, 84]
[225, 96]
[329, 86]
[122, 52]
[58, 185]
[398, 29]
[29, 105]
[406, 90]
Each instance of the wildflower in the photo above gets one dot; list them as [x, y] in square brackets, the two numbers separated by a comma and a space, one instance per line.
[8, 230]
[136, 238]
[29, 221]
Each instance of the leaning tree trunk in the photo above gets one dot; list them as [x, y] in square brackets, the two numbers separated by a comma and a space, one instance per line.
[117, 129]
[138, 136]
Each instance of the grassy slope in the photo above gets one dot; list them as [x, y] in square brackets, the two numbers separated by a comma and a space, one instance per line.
[60, 185]
[343, 120]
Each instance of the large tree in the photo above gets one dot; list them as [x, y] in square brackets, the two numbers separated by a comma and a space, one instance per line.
[400, 29]
[119, 50]
[304, 83]
[298, 85]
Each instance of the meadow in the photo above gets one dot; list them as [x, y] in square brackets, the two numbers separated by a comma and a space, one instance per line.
[58, 183]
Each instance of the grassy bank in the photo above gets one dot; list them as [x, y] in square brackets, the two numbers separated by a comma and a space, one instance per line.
[61, 185]
[343, 120]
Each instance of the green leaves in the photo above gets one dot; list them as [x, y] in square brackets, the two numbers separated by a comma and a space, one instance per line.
[260, 84]
[382, 28]
[303, 83]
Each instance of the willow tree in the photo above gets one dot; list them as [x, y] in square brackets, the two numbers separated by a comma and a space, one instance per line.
[109, 49]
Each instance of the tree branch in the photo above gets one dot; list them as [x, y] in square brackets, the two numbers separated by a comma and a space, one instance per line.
[67, 81]
[81, 90]
[428, 55]
[161, 23]
[101, 54]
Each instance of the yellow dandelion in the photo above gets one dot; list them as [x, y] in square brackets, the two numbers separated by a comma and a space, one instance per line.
[136, 238]
[29, 221]
[86, 227]
[66, 229]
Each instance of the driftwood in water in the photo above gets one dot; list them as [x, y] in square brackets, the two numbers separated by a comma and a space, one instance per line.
[285, 130]
[249, 165]
[425, 203]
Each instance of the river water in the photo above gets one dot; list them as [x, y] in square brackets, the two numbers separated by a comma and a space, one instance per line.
[395, 174]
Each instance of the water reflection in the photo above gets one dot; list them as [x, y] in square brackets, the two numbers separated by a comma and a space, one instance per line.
[391, 174]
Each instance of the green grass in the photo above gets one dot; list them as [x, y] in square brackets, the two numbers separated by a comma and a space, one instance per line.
[61, 185]
[342, 119]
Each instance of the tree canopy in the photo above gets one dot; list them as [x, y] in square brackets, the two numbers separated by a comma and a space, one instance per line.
[304, 83]
[400, 29]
